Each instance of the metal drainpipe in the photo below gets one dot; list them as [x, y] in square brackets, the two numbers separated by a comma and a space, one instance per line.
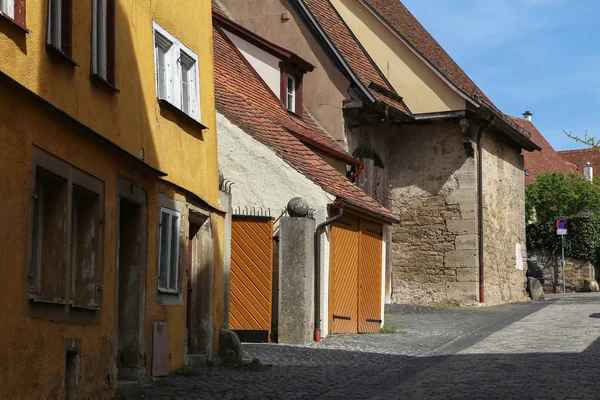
[480, 209]
[317, 333]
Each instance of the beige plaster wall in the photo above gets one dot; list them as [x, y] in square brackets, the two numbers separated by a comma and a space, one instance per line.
[422, 90]
[325, 87]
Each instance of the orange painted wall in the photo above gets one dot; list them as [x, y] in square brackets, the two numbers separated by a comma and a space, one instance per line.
[32, 352]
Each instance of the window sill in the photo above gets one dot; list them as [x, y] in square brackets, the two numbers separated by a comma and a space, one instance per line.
[294, 113]
[186, 117]
[85, 308]
[56, 52]
[103, 82]
[168, 297]
[37, 300]
[13, 22]
[168, 291]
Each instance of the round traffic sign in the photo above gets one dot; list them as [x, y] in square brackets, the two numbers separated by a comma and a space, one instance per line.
[561, 224]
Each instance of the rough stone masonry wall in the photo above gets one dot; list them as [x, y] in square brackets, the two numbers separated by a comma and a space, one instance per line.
[504, 220]
[577, 271]
[433, 193]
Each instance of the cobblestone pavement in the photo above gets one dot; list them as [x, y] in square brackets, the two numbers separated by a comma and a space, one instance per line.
[542, 350]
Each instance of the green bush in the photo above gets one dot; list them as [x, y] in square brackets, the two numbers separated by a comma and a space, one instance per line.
[555, 196]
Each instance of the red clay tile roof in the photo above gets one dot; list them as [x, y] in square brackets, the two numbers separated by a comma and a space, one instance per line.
[579, 157]
[354, 54]
[545, 160]
[303, 127]
[244, 98]
[407, 26]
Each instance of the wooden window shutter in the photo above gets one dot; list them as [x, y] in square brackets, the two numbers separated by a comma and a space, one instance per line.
[67, 27]
[110, 41]
[20, 13]
[283, 88]
[298, 95]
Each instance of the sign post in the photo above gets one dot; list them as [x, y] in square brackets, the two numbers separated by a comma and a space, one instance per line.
[561, 230]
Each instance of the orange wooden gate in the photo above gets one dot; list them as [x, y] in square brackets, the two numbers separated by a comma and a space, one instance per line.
[251, 275]
[355, 275]
[369, 276]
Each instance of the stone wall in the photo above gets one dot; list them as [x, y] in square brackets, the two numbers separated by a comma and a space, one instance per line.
[432, 190]
[504, 220]
[576, 271]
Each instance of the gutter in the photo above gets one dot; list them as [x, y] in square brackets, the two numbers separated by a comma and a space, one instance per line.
[480, 209]
[511, 129]
[317, 277]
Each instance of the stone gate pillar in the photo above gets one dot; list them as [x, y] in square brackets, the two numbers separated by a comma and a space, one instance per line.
[296, 277]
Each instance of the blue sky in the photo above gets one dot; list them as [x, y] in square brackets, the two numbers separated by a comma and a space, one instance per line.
[536, 55]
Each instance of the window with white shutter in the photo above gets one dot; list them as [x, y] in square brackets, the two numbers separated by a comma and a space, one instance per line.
[176, 71]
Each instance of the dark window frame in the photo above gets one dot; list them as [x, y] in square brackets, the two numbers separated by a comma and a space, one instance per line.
[67, 306]
[297, 76]
[19, 15]
[64, 47]
[109, 80]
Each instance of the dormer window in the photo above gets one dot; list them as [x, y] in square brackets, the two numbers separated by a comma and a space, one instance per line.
[291, 89]
[281, 70]
[291, 94]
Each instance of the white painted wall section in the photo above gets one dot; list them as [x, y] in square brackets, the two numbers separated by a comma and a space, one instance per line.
[266, 65]
[263, 179]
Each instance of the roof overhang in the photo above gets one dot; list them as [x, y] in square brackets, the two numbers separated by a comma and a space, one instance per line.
[326, 41]
[419, 55]
[342, 203]
[262, 43]
[509, 128]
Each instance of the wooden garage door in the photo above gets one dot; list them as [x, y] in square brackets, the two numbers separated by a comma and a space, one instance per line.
[343, 275]
[251, 275]
[369, 286]
[355, 275]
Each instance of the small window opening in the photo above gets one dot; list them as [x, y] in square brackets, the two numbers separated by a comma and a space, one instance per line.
[59, 25]
[72, 363]
[169, 250]
[187, 64]
[291, 94]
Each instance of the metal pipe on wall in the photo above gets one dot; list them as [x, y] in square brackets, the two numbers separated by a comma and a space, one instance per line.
[317, 277]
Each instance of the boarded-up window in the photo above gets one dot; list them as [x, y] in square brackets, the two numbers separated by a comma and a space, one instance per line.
[65, 235]
[84, 246]
[373, 179]
[49, 240]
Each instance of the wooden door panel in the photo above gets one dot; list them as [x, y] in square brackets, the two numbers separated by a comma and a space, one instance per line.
[251, 297]
[343, 290]
[369, 274]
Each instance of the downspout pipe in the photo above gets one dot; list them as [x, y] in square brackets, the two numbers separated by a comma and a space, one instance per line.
[480, 209]
[320, 227]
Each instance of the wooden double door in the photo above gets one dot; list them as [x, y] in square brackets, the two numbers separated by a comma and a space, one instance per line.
[355, 275]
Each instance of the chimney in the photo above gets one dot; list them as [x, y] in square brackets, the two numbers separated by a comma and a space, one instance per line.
[527, 115]
[588, 171]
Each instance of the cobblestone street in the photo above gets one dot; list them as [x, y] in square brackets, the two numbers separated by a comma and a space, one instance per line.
[542, 350]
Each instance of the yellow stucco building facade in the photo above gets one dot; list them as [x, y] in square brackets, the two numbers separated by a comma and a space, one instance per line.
[112, 236]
